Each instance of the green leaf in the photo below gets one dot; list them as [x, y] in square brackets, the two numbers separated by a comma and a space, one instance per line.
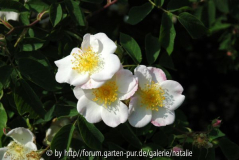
[3, 121]
[132, 47]
[62, 139]
[211, 12]
[167, 33]
[229, 148]
[129, 135]
[159, 2]
[5, 72]
[75, 12]
[37, 73]
[11, 5]
[27, 101]
[215, 133]
[37, 5]
[1, 90]
[222, 5]
[194, 26]
[92, 137]
[93, 1]
[138, 13]
[31, 44]
[175, 5]
[55, 14]
[152, 47]
[25, 18]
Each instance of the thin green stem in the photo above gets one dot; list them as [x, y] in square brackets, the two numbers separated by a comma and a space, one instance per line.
[159, 7]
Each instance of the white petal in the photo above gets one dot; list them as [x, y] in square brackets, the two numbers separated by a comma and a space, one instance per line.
[115, 114]
[127, 84]
[157, 74]
[90, 41]
[78, 92]
[64, 69]
[89, 109]
[32, 146]
[110, 67]
[162, 117]
[173, 92]
[139, 116]
[9, 15]
[21, 135]
[143, 75]
[2, 151]
[92, 84]
[106, 45]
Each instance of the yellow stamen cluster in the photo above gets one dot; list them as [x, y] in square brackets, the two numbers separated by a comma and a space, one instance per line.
[87, 61]
[106, 94]
[15, 151]
[152, 96]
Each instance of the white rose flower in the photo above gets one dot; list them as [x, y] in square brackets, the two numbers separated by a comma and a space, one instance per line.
[9, 15]
[22, 148]
[90, 66]
[104, 103]
[156, 98]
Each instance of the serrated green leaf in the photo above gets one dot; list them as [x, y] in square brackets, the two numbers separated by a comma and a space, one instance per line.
[167, 33]
[129, 135]
[38, 73]
[194, 26]
[3, 121]
[132, 47]
[11, 5]
[62, 139]
[27, 101]
[215, 133]
[229, 148]
[55, 14]
[152, 47]
[31, 44]
[92, 137]
[222, 5]
[25, 18]
[37, 5]
[175, 5]
[138, 13]
[75, 12]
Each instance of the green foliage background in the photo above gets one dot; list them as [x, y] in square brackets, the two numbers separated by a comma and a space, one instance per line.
[185, 38]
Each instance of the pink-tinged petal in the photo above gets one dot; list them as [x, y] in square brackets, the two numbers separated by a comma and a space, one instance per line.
[106, 45]
[115, 114]
[143, 75]
[2, 152]
[173, 94]
[127, 83]
[139, 116]
[89, 109]
[162, 117]
[21, 135]
[78, 92]
[90, 41]
[109, 68]
[92, 84]
[157, 74]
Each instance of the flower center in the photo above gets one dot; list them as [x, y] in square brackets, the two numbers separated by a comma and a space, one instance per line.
[87, 62]
[16, 151]
[106, 94]
[152, 96]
